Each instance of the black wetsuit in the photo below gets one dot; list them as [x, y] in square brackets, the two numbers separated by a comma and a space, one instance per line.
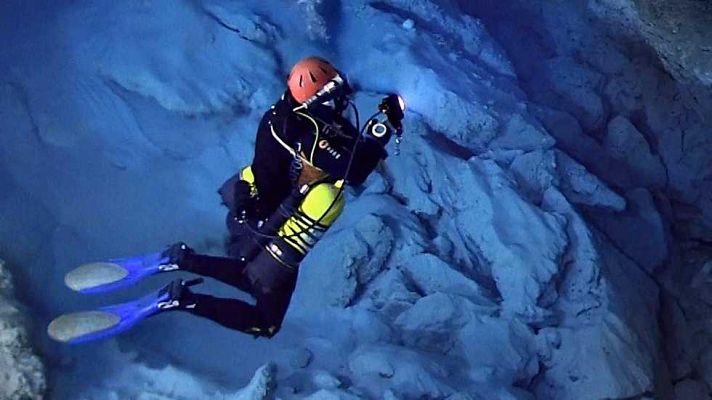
[268, 281]
[272, 162]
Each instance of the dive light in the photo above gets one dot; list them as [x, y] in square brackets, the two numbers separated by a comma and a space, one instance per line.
[393, 106]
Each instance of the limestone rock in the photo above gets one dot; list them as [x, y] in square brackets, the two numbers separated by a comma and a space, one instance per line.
[22, 374]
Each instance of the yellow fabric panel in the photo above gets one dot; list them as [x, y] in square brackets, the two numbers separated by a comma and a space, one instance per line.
[318, 201]
[247, 175]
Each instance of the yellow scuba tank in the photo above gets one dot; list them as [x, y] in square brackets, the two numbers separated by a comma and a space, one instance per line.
[321, 206]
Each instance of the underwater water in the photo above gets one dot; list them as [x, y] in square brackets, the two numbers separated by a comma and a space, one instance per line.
[542, 233]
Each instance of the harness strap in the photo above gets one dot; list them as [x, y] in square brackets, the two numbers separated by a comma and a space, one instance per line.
[287, 147]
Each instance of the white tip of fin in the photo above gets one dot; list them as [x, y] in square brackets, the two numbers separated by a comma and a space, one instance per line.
[68, 327]
[93, 275]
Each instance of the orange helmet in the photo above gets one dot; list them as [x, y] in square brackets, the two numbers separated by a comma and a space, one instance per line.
[308, 76]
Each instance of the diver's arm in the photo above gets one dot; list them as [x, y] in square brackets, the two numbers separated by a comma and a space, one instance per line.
[376, 135]
[271, 169]
[272, 161]
[368, 154]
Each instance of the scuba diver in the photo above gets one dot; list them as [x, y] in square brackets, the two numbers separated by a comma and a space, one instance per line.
[306, 150]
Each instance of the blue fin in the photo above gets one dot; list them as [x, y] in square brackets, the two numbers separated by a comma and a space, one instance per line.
[101, 277]
[105, 322]
[87, 326]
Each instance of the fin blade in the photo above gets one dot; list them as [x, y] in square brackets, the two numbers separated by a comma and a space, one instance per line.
[95, 275]
[82, 326]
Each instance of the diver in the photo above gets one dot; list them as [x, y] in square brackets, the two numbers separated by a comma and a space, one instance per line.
[306, 150]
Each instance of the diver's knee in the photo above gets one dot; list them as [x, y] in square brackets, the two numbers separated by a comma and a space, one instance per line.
[264, 331]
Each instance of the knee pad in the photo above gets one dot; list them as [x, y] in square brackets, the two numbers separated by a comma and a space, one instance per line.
[267, 332]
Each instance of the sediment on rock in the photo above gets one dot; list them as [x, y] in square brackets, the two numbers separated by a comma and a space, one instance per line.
[22, 375]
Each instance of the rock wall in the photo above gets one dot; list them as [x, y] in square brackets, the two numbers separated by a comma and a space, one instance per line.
[680, 35]
[22, 375]
[624, 88]
[679, 31]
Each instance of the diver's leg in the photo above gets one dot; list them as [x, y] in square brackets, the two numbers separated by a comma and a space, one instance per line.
[273, 306]
[273, 285]
[273, 290]
[224, 269]
[263, 319]
[230, 313]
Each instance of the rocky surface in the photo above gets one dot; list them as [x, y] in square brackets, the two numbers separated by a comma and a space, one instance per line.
[680, 32]
[21, 371]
